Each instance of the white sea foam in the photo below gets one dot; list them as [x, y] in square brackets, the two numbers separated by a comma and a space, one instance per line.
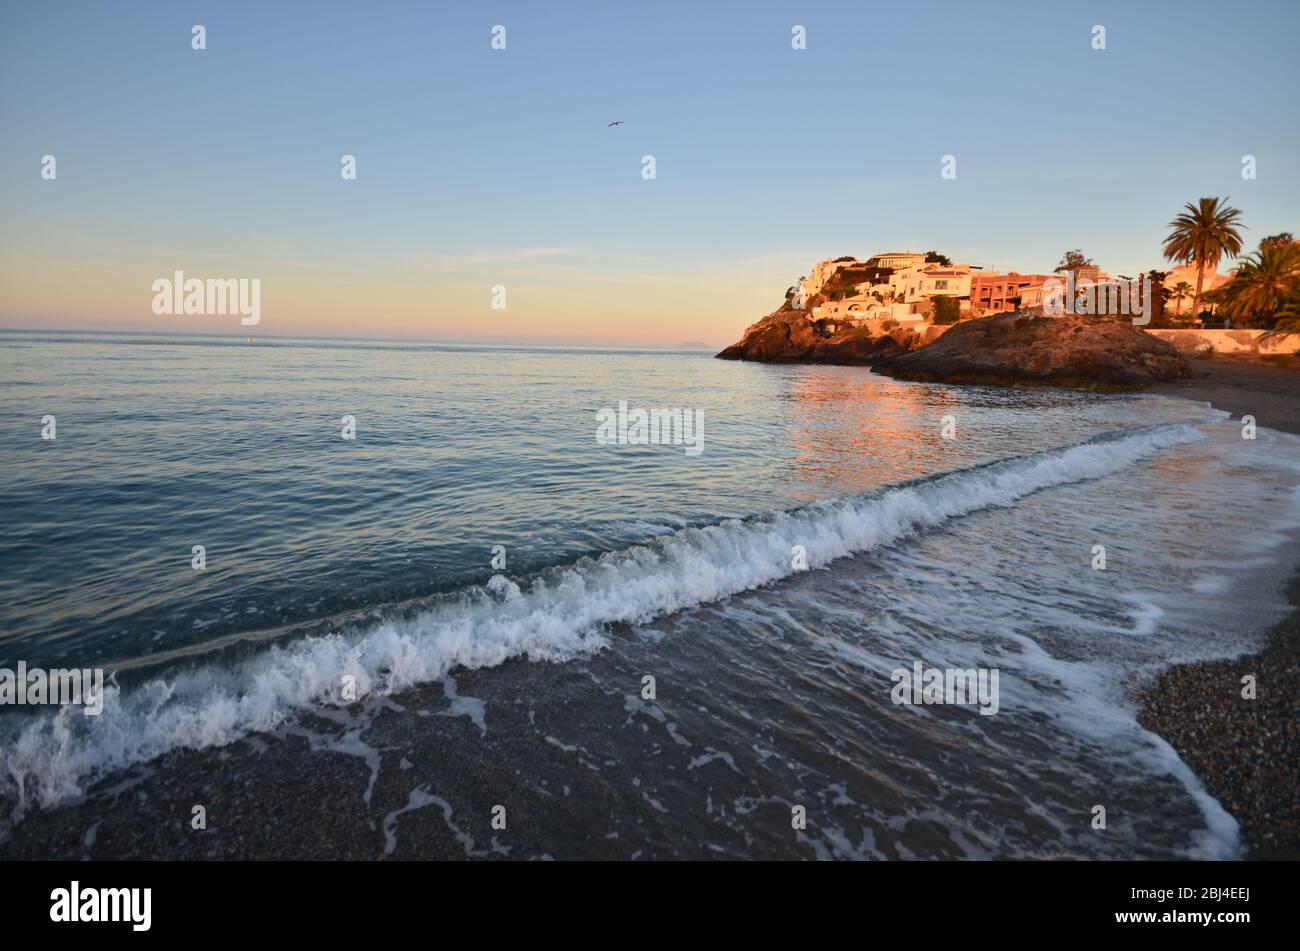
[561, 614]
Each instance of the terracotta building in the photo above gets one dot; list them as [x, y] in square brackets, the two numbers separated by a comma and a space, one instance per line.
[995, 293]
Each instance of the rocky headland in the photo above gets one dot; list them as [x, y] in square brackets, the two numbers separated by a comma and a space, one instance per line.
[1020, 348]
[793, 336]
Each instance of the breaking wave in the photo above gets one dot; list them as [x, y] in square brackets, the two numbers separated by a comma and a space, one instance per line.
[561, 613]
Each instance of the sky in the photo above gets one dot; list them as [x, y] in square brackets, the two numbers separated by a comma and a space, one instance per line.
[478, 168]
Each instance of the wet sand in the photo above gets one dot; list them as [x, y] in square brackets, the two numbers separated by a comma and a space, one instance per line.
[1266, 388]
[1247, 752]
[585, 768]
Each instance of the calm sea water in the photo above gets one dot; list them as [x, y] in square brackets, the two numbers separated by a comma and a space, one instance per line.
[371, 558]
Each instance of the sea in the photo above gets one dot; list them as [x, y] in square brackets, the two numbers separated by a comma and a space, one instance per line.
[673, 653]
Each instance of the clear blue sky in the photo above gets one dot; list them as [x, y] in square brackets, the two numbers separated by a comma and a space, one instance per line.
[478, 167]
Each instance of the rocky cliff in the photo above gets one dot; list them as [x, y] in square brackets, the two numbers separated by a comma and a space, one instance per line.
[792, 336]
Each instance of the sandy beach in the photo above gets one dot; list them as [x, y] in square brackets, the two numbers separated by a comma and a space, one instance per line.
[1266, 388]
[1246, 752]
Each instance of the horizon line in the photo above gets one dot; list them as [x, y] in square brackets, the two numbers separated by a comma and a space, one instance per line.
[347, 339]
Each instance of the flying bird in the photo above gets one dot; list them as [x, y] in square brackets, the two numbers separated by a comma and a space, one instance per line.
[619, 122]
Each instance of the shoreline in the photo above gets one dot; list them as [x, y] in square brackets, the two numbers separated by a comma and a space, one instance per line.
[1246, 753]
[1269, 390]
[376, 792]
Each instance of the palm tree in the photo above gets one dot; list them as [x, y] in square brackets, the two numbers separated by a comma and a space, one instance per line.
[1288, 319]
[1267, 283]
[1204, 233]
[1180, 292]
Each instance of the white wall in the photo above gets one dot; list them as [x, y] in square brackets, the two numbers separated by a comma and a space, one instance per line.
[1230, 341]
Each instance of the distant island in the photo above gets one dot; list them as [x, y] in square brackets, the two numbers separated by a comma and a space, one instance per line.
[694, 345]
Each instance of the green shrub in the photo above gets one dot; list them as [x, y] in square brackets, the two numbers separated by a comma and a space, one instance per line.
[946, 310]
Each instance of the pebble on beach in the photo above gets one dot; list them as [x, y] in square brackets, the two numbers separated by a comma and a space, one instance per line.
[1246, 752]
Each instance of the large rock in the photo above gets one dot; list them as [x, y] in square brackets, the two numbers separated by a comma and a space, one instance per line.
[792, 336]
[1028, 348]
[783, 334]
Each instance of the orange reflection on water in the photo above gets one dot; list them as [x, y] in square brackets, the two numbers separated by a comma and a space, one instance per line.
[853, 431]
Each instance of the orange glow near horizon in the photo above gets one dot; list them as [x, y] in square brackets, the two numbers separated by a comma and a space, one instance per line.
[557, 304]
